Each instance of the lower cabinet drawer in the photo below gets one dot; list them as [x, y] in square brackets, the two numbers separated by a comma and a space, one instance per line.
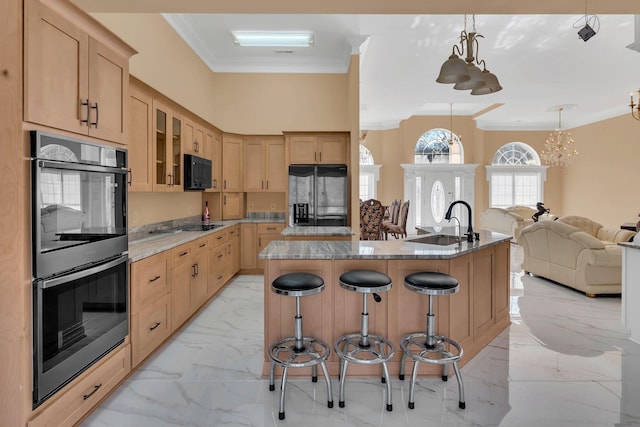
[86, 391]
[217, 269]
[149, 328]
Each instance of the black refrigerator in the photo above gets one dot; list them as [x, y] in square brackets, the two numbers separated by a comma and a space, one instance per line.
[318, 195]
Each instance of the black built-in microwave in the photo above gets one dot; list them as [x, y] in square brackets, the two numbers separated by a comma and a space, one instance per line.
[197, 172]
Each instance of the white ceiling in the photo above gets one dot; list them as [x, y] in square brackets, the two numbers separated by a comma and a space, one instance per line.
[539, 59]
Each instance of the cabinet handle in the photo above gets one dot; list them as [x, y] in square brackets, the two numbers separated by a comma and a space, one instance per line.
[154, 326]
[315, 156]
[321, 156]
[259, 241]
[220, 256]
[215, 183]
[85, 103]
[220, 277]
[195, 270]
[197, 146]
[271, 228]
[202, 245]
[154, 279]
[219, 238]
[262, 185]
[130, 177]
[184, 253]
[225, 199]
[267, 184]
[95, 388]
[224, 184]
[95, 107]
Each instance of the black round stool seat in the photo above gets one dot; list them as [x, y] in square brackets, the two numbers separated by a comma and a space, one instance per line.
[365, 281]
[431, 283]
[298, 284]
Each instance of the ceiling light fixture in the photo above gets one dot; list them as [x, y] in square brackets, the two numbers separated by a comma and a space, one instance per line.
[273, 38]
[557, 148]
[465, 74]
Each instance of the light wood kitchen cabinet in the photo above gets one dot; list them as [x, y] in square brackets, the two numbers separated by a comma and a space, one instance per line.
[318, 148]
[86, 391]
[150, 326]
[193, 138]
[76, 73]
[232, 205]
[249, 245]
[218, 265]
[233, 165]
[265, 168]
[213, 144]
[267, 232]
[189, 271]
[140, 140]
[167, 149]
[233, 251]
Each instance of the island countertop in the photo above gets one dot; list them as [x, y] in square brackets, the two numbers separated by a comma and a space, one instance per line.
[314, 231]
[376, 249]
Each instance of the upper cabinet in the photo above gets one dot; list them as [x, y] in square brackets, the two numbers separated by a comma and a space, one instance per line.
[265, 167]
[213, 146]
[141, 139]
[76, 73]
[232, 169]
[309, 148]
[193, 138]
[167, 148]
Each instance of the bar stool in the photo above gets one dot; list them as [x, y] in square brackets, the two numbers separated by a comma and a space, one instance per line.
[362, 347]
[428, 347]
[298, 351]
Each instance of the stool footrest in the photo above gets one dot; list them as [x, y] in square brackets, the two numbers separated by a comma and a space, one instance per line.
[285, 353]
[348, 347]
[415, 346]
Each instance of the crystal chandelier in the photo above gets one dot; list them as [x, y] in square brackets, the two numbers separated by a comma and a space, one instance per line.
[465, 74]
[558, 149]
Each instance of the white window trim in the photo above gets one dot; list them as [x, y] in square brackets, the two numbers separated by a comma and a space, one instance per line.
[541, 171]
[375, 170]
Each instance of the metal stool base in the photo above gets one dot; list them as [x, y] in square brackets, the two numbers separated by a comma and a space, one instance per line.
[415, 346]
[379, 351]
[284, 353]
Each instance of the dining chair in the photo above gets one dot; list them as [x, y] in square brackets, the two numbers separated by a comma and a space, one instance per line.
[371, 214]
[400, 230]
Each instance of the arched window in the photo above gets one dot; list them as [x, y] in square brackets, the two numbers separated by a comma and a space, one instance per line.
[369, 175]
[438, 146]
[516, 176]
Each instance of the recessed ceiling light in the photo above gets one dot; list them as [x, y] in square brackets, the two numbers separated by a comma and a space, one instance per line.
[273, 38]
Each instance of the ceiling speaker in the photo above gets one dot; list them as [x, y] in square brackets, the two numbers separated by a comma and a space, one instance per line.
[586, 32]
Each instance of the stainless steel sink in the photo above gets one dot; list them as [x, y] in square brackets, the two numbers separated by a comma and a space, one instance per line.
[438, 239]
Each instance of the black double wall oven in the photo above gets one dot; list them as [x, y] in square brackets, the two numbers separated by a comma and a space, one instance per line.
[79, 257]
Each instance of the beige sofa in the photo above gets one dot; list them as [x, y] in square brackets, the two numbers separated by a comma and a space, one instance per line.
[575, 252]
[508, 221]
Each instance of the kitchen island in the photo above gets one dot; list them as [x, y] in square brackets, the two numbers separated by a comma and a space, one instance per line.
[473, 317]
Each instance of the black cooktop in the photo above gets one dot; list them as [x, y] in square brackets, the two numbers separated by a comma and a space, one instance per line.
[200, 227]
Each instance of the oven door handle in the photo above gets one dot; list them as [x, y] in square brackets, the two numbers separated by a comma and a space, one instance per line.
[50, 283]
[80, 167]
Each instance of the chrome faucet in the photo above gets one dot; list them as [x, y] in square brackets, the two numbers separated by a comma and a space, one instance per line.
[459, 232]
[471, 236]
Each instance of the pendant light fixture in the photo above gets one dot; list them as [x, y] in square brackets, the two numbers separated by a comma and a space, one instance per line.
[464, 74]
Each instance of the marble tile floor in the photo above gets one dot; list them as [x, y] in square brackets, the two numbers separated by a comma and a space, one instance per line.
[564, 361]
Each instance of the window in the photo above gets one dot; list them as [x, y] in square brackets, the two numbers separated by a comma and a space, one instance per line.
[515, 176]
[438, 146]
[369, 175]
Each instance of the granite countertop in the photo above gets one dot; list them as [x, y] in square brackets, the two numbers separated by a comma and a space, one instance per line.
[157, 242]
[317, 231]
[377, 249]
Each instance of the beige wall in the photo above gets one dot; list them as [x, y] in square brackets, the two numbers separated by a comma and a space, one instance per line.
[599, 184]
[247, 103]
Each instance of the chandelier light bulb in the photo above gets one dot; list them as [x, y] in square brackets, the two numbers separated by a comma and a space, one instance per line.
[557, 149]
